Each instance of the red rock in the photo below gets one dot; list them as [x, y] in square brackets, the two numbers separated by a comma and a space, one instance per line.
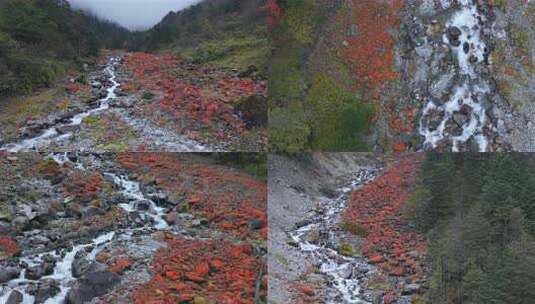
[217, 264]
[400, 147]
[390, 297]
[383, 200]
[194, 277]
[233, 282]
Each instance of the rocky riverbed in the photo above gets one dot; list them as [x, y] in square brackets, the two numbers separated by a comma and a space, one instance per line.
[452, 55]
[82, 228]
[115, 107]
[337, 234]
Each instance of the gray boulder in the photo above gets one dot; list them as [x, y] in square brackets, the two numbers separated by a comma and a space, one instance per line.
[92, 284]
[15, 297]
[9, 273]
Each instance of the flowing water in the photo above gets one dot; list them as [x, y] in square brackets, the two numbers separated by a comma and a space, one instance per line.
[343, 271]
[62, 274]
[52, 134]
[472, 87]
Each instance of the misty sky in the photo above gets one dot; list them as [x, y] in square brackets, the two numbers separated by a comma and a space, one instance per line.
[133, 14]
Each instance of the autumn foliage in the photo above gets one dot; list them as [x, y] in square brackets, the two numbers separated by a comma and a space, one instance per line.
[274, 13]
[217, 271]
[377, 206]
[8, 247]
[370, 48]
[229, 199]
[192, 104]
[84, 187]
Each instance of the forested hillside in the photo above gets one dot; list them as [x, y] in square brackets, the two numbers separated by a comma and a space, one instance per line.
[479, 214]
[41, 39]
[229, 33]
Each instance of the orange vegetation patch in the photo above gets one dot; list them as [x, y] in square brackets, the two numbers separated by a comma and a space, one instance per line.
[8, 247]
[73, 87]
[228, 198]
[403, 121]
[370, 49]
[217, 271]
[377, 206]
[187, 103]
[84, 187]
[234, 87]
[305, 293]
[119, 265]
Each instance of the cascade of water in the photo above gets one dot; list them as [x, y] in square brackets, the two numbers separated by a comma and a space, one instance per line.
[340, 269]
[468, 49]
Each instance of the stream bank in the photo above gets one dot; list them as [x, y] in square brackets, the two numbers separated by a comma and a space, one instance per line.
[83, 227]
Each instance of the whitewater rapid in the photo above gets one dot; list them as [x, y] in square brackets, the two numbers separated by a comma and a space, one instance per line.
[341, 270]
[52, 134]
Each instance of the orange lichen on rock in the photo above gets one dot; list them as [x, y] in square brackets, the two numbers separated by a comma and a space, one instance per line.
[377, 206]
[8, 247]
[229, 199]
[217, 271]
[369, 48]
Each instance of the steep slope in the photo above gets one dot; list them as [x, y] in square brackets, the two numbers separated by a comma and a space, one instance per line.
[478, 213]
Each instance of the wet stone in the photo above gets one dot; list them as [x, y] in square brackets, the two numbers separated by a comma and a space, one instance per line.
[43, 290]
[9, 273]
[453, 34]
[466, 47]
[36, 272]
[15, 297]
[256, 224]
[91, 285]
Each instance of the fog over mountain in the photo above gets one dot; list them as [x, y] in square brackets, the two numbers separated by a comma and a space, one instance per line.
[132, 14]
